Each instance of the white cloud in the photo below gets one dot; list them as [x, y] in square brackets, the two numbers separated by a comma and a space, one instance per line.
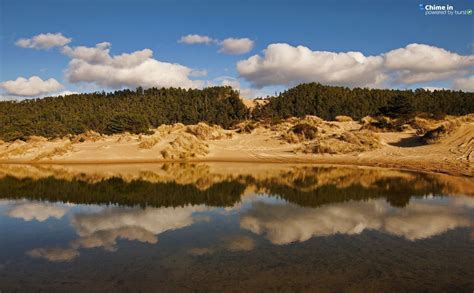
[65, 93]
[37, 211]
[236, 46]
[19, 98]
[283, 64]
[287, 223]
[44, 41]
[465, 84]
[32, 86]
[233, 46]
[195, 39]
[198, 73]
[94, 55]
[419, 63]
[96, 65]
[7, 98]
[434, 88]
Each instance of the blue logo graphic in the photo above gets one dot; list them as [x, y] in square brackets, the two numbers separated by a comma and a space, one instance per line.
[422, 7]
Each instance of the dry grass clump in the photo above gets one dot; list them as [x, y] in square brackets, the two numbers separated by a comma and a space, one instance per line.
[206, 132]
[312, 120]
[185, 146]
[247, 126]
[149, 141]
[343, 118]
[18, 147]
[437, 134]
[57, 151]
[421, 125]
[287, 124]
[300, 132]
[440, 131]
[367, 120]
[296, 130]
[168, 129]
[383, 124]
[36, 139]
[176, 132]
[344, 143]
[466, 118]
[89, 136]
[124, 137]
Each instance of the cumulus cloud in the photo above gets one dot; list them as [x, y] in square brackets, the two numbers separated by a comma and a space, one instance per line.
[287, 223]
[37, 211]
[419, 63]
[195, 39]
[236, 46]
[232, 46]
[465, 84]
[283, 64]
[32, 86]
[139, 68]
[44, 41]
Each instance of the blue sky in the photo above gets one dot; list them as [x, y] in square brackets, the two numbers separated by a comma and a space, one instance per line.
[372, 28]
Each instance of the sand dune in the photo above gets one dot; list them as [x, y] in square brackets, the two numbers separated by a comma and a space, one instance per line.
[290, 141]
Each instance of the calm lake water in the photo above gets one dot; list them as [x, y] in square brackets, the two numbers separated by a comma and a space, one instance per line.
[233, 227]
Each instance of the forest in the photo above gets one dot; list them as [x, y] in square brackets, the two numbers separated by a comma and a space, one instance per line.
[120, 111]
[136, 111]
[328, 102]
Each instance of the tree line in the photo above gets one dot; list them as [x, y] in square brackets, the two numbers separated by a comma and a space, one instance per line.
[137, 111]
[120, 111]
[328, 102]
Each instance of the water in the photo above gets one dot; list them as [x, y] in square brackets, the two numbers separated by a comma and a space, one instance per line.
[233, 227]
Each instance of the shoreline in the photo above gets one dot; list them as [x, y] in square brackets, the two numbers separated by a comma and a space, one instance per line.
[347, 161]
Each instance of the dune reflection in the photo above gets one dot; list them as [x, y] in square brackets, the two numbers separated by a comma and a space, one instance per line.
[287, 223]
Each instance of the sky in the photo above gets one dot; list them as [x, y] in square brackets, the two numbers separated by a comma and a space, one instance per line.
[51, 47]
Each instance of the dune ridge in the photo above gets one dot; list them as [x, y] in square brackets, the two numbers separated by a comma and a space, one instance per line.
[449, 149]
